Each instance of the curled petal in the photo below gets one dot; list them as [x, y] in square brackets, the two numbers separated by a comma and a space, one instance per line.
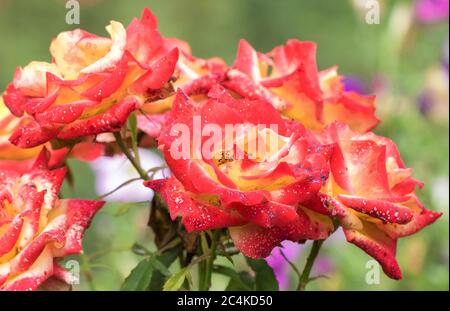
[32, 135]
[31, 80]
[109, 121]
[422, 217]
[119, 39]
[53, 233]
[14, 100]
[381, 209]
[79, 214]
[268, 214]
[108, 86]
[9, 239]
[195, 216]
[143, 38]
[158, 75]
[257, 242]
[62, 114]
[378, 245]
[247, 60]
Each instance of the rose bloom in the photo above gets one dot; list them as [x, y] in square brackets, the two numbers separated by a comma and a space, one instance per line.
[288, 78]
[372, 194]
[258, 196]
[36, 227]
[93, 82]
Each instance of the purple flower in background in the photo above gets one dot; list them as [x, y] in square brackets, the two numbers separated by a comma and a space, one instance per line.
[280, 266]
[425, 102]
[113, 171]
[355, 84]
[431, 11]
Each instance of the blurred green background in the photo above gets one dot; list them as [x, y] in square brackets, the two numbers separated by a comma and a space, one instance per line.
[400, 60]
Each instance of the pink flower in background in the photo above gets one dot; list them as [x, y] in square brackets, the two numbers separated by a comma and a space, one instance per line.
[323, 266]
[113, 171]
[431, 11]
[280, 266]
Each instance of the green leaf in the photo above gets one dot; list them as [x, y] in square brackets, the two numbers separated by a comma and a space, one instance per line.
[236, 279]
[246, 278]
[159, 266]
[264, 277]
[139, 277]
[189, 279]
[158, 278]
[204, 243]
[176, 281]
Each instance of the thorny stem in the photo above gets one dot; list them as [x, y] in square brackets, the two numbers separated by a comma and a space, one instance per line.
[304, 279]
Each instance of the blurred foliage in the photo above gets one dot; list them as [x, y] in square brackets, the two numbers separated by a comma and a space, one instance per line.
[214, 28]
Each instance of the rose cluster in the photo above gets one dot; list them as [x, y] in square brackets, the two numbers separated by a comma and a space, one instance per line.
[301, 162]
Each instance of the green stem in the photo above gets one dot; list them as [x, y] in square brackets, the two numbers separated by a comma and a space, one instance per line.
[206, 284]
[130, 157]
[304, 279]
[201, 275]
[134, 145]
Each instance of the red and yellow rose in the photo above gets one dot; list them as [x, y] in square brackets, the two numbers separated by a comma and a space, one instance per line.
[93, 83]
[258, 196]
[288, 78]
[36, 227]
[372, 194]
